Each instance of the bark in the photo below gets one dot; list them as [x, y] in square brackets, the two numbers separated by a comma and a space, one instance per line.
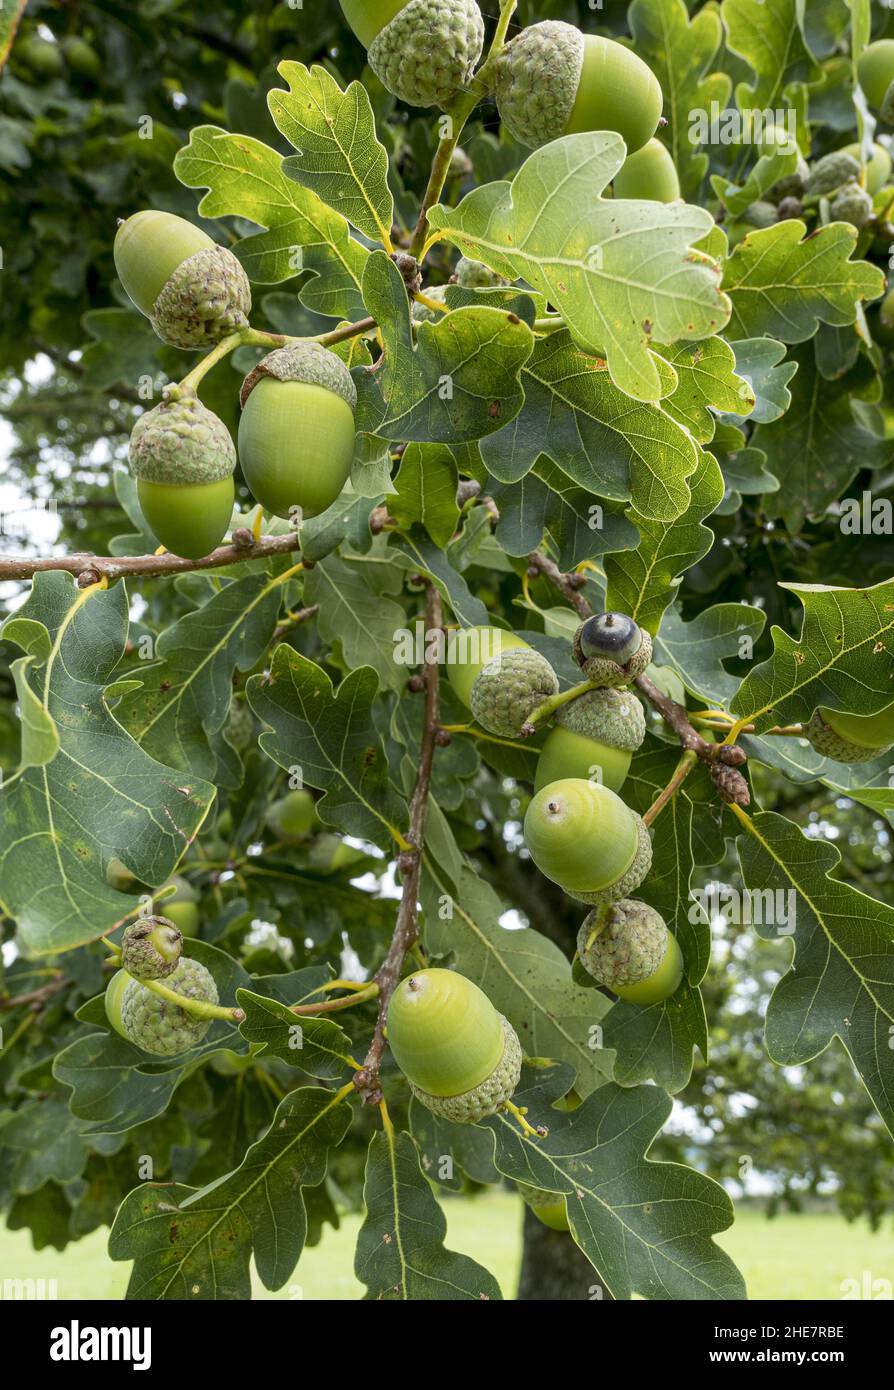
[553, 1268]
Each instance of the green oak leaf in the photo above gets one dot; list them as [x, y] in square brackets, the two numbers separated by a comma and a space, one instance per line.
[708, 383]
[357, 608]
[697, 649]
[770, 37]
[317, 1045]
[245, 179]
[417, 554]
[331, 736]
[609, 445]
[841, 981]
[124, 348]
[761, 361]
[621, 273]
[339, 157]
[185, 695]
[645, 1227]
[680, 51]
[783, 284]
[44, 1141]
[777, 163]
[197, 1244]
[69, 809]
[644, 581]
[843, 658]
[425, 491]
[545, 501]
[744, 468]
[460, 380]
[400, 1246]
[525, 975]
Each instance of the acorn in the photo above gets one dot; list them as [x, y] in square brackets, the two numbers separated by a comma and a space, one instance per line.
[422, 51]
[183, 459]
[851, 738]
[595, 736]
[182, 908]
[153, 1023]
[292, 818]
[507, 691]
[611, 649]
[193, 291]
[877, 168]
[421, 313]
[296, 434]
[548, 1207]
[461, 1057]
[475, 275]
[851, 204]
[832, 172]
[552, 80]
[43, 57]
[583, 837]
[151, 948]
[649, 173]
[469, 650]
[875, 69]
[627, 947]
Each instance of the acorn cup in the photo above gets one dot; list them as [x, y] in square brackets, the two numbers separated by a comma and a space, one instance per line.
[422, 51]
[183, 459]
[151, 948]
[296, 434]
[851, 738]
[611, 649]
[193, 291]
[510, 688]
[470, 649]
[595, 736]
[461, 1058]
[627, 947]
[583, 837]
[552, 80]
[154, 1023]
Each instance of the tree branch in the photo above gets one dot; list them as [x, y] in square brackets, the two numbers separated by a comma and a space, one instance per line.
[722, 760]
[406, 928]
[89, 569]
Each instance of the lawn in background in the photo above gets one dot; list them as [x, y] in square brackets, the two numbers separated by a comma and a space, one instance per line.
[791, 1257]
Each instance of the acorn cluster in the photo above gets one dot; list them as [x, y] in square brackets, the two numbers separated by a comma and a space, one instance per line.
[844, 183]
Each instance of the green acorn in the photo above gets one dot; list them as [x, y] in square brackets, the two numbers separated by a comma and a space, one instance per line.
[649, 173]
[832, 172]
[151, 948]
[548, 1207]
[292, 818]
[629, 881]
[461, 1057]
[153, 1023]
[509, 688]
[182, 908]
[469, 650]
[761, 214]
[474, 275]
[611, 649]
[183, 459]
[422, 51]
[875, 69]
[594, 736]
[583, 837]
[239, 729]
[628, 948]
[83, 61]
[851, 738]
[40, 55]
[421, 312]
[296, 434]
[878, 166]
[851, 204]
[193, 291]
[552, 80]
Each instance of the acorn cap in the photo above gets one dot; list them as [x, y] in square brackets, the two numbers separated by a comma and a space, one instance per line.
[151, 948]
[508, 690]
[181, 442]
[309, 362]
[159, 1026]
[475, 275]
[206, 297]
[614, 717]
[537, 80]
[485, 1099]
[428, 51]
[603, 671]
[632, 877]
[630, 943]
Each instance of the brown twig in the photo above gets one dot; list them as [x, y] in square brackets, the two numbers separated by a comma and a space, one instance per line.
[89, 569]
[406, 928]
[293, 620]
[36, 998]
[723, 760]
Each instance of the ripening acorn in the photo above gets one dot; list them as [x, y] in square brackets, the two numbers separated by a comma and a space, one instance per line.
[594, 737]
[183, 459]
[552, 80]
[469, 650]
[875, 70]
[475, 275]
[611, 649]
[83, 61]
[156, 1024]
[548, 1207]
[182, 908]
[422, 51]
[627, 947]
[293, 816]
[851, 738]
[239, 729]
[461, 1057]
[877, 168]
[851, 204]
[649, 173]
[832, 172]
[43, 57]
[583, 837]
[296, 434]
[151, 948]
[508, 690]
[193, 291]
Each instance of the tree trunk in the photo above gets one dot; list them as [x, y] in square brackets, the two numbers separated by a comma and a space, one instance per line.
[553, 1268]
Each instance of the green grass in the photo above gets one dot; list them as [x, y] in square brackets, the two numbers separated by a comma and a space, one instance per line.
[792, 1257]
